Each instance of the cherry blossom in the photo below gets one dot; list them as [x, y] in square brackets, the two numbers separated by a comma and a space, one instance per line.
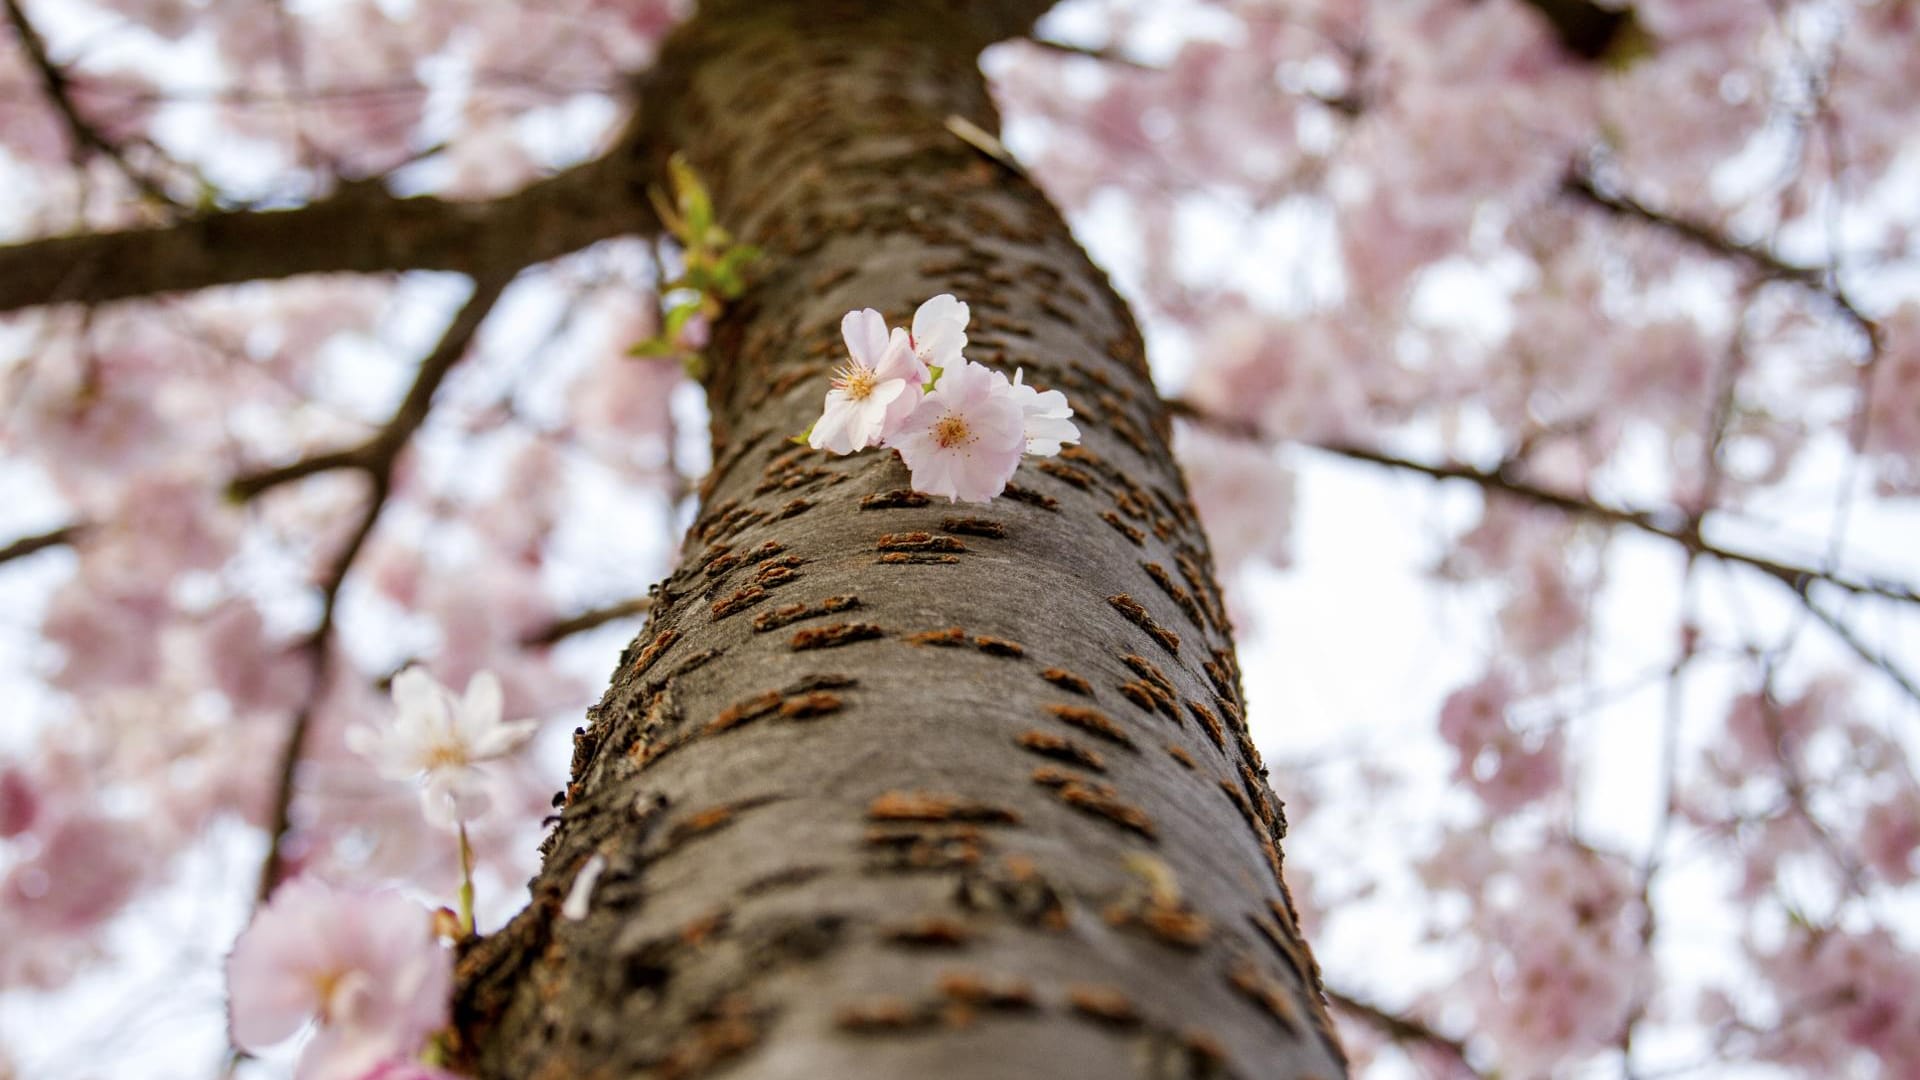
[965, 440]
[86, 869]
[19, 801]
[877, 388]
[445, 739]
[1889, 835]
[1046, 416]
[939, 331]
[365, 966]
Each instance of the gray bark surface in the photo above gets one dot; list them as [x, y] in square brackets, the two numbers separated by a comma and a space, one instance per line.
[890, 787]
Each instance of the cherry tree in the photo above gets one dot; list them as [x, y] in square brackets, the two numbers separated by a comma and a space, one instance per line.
[332, 468]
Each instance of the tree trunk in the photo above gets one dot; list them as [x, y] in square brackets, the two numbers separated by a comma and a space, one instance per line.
[890, 787]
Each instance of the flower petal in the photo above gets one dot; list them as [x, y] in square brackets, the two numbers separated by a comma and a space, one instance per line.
[899, 361]
[940, 330]
[480, 708]
[865, 332]
[833, 431]
[416, 693]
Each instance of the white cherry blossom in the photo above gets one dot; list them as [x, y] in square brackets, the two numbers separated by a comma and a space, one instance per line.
[445, 739]
[940, 331]
[1046, 416]
[873, 391]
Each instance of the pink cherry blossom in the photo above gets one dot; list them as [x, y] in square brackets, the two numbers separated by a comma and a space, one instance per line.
[965, 440]
[1504, 767]
[1889, 835]
[879, 386]
[1226, 475]
[109, 633]
[19, 801]
[1867, 985]
[86, 869]
[366, 966]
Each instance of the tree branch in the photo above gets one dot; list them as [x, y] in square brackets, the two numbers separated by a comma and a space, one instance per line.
[1793, 575]
[1105, 56]
[1349, 104]
[1851, 638]
[1586, 29]
[590, 619]
[359, 229]
[1401, 1029]
[86, 137]
[27, 545]
[249, 485]
[1669, 525]
[1582, 186]
[376, 458]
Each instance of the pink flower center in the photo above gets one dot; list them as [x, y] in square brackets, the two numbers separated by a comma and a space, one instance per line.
[855, 381]
[951, 430]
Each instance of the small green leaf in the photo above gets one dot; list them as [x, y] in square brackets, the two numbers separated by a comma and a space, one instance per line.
[668, 219]
[729, 274]
[677, 317]
[695, 205]
[697, 278]
[805, 438]
[653, 348]
[937, 371]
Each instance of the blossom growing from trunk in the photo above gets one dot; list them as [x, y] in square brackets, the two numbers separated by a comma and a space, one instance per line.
[444, 738]
[960, 427]
[965, 440]
[1046, 415]
[366, 966]
[875, 390]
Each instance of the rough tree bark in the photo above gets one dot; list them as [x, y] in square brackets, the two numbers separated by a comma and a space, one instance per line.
[889, 787]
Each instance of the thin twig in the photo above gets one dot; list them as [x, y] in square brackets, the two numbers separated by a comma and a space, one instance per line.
[27, 545]
[1851, 639]
[588, 620]
[377, 454]
[376, 458]
[1794, 786]
[249, 485]
[1795, 576]
[1670, 524]
[87, 138]
[1105, 56]
[1817, 279]
[1402, 1029]
[1348, 104]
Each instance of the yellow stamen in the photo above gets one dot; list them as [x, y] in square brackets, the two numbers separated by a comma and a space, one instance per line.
[446, 754]
[855, 381]
[951, 430]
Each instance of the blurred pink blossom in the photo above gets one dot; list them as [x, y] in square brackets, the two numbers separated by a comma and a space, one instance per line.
[366, 966]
